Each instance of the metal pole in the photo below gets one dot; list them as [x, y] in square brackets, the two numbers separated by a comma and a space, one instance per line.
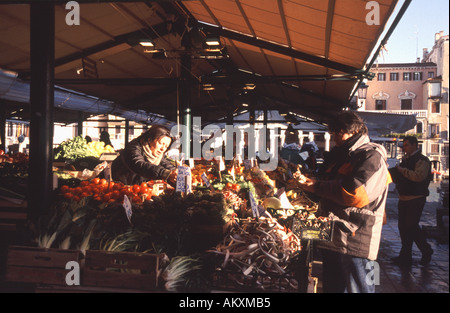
[80, 123]
[3, 125]
[127, 132]
[42, 48]
[185, 98]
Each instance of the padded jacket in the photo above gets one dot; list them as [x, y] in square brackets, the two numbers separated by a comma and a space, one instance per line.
[131, 166]
[353, 185]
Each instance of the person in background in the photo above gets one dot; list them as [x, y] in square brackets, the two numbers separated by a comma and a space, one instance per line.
[88, 139]
[412, 178]
[144, 159]
[352, 187]
[104, 136]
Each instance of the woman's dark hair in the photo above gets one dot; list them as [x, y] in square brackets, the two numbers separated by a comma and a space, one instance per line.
[155, 132]
[347, 122]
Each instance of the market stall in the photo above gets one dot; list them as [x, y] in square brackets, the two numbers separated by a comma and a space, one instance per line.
[228, 229]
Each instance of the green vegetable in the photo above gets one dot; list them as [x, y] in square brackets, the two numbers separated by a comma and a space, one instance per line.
[73, 149]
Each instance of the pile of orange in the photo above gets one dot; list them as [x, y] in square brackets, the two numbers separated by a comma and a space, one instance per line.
[103, 191]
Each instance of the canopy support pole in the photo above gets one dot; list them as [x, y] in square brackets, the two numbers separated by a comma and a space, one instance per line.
[42, 54]
[185, 97]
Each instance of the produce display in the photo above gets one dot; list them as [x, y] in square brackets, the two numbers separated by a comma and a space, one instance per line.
[108, 192]
[79, 148]
[13, 176]
[254, 249]
[211, 235]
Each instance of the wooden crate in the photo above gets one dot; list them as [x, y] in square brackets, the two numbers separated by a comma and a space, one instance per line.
[39, 265]
[126, 270]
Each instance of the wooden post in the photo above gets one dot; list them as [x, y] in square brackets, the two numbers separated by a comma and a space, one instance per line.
[42, 55]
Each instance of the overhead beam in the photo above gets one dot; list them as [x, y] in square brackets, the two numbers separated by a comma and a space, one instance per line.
[118, 81]
[317, 60]
[227, 79]
[217, 79]
[156, 30]
[79, 1]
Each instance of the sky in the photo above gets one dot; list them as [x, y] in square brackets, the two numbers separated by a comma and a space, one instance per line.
[416, 30]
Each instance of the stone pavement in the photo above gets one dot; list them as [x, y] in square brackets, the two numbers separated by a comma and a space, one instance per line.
[433, 278]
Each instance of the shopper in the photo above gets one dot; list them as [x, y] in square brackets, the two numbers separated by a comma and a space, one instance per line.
[412, 178]
[352, 185]
[104, 136]
[144, 159]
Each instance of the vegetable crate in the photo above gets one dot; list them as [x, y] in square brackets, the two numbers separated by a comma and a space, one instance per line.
[39, 265]
[126, 270]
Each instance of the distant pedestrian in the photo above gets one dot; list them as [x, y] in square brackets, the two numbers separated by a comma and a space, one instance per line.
[412, 178]
[104, 136]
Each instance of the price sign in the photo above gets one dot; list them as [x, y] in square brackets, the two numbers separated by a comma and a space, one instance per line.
[107, 172]
[184, 180]
[254, 205]
[221, 165]
[127, 206]
[206, 180]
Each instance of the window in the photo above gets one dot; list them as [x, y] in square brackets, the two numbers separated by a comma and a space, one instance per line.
[435, 107]
[434, 148]
[117, 134]
[10, 130]
[394, 76]
[435, 130]
[430, 74]
[381, 77]
[419, 128]
[380, 104]
[407, 76]
[406, 104]
[417, 76]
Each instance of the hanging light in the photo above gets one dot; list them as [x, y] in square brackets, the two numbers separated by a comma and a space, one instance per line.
[208, 87]
[362, 91]
[212, 41]
[249, 86]
[362, 94]
[146, 43]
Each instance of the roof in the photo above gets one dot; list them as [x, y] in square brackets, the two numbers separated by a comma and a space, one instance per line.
[302, 56]
[403, 65]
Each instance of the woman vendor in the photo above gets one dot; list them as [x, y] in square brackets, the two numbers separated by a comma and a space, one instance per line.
[144, 159]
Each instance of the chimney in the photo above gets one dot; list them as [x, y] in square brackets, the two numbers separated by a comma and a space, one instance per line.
[438, 36]
[425, 53]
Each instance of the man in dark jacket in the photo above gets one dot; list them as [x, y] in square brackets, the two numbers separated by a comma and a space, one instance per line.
[412, 178]
[352, 185]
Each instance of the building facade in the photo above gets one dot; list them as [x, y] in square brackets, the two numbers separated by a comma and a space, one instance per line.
[417, 88]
